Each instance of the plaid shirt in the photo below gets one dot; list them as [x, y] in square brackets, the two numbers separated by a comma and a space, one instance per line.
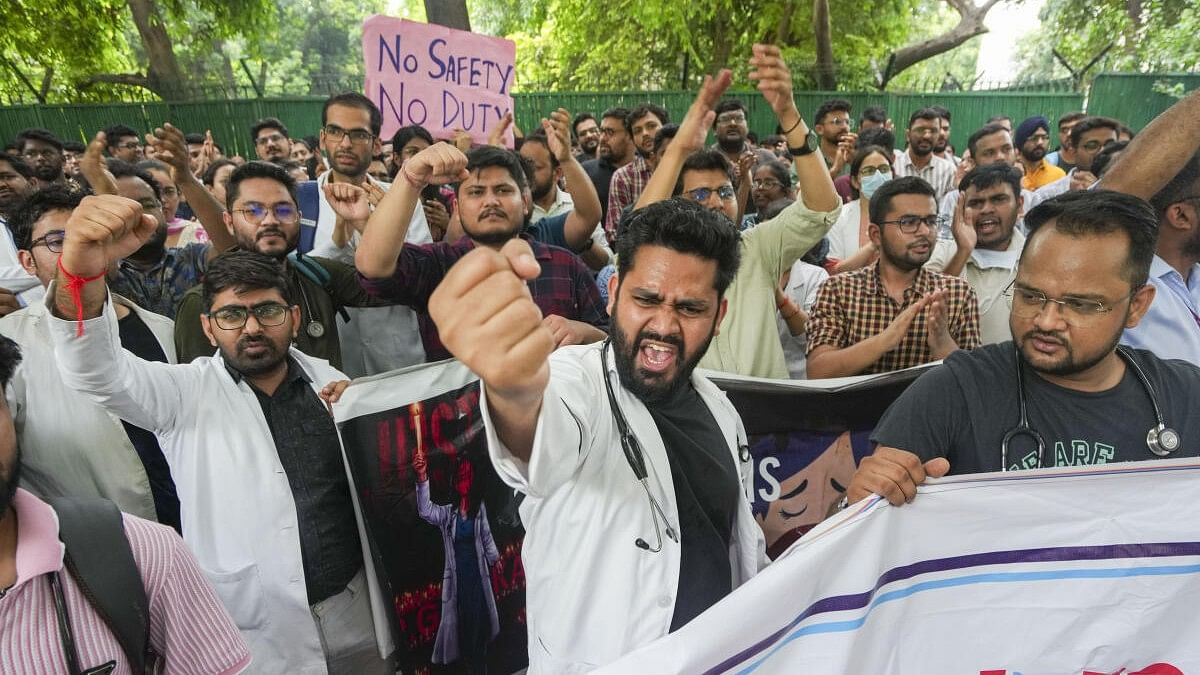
[854, 306]
[160, 288]
[626, 186]
[565, 287]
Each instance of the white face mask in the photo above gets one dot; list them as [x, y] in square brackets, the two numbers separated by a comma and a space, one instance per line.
[873, 182]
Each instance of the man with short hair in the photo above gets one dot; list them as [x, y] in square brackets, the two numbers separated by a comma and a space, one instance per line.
[268, 507]
[893, 314]
[629, 181]
[186, 629]
[96, 455]
[123, 143]
[990, 145]
[614, 151]
[682, 525]
[271, 140]
[494, 206]
[731, 129]
[941, 148]
[199, 157]
[873, 117]
[919, 159]
[1163, 165]
[586, 131]
[1082, 399]
[832, 124]
[1001, 120]
[1032, 138]
[43, 152]
[1062, 157]
[17, 287]
[72, 151]
[1088, 136]
[986, 244]
[262, 215]
[747, 342]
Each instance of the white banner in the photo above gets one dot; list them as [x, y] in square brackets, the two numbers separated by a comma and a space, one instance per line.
[1079, 570]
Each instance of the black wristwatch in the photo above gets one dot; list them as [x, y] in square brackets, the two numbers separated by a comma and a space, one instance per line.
[812, 142]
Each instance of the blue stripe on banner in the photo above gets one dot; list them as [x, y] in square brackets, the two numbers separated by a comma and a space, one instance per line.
[995, 577]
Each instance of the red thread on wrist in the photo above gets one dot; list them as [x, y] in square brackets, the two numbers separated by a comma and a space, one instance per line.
[75, 286]
[417, 185]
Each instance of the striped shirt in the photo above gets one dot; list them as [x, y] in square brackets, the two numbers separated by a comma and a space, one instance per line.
[854, 306]
[938, 172]
[188, 625]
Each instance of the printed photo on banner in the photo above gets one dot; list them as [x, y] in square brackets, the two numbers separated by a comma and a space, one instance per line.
[438, 78]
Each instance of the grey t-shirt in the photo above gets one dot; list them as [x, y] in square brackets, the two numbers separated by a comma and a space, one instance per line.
[962, 410]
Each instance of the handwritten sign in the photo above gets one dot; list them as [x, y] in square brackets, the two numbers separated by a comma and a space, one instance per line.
[439, 78]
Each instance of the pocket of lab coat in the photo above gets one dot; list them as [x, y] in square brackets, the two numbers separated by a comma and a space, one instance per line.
[241, 593]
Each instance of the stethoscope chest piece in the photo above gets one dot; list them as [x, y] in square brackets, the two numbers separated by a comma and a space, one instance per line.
[1162, 440]
[315, 329]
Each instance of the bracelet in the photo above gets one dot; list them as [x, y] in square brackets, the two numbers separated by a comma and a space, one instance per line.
[794, 126]
[75, 286]
[416, 184]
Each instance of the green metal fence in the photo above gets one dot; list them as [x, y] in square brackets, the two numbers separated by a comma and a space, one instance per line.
[1131, 98]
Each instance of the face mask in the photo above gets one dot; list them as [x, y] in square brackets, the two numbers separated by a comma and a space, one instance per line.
[872, 183]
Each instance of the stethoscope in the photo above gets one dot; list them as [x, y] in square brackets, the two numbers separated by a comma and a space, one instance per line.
[313, 327]
[637, 462]
[1161, 439]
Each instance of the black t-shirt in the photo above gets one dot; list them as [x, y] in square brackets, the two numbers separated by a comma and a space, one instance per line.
[962, 410]
[707, 493]
[601, 172]
[137, 337]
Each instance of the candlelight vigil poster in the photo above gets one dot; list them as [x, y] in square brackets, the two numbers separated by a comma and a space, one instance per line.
[415, 443]
[438, 78]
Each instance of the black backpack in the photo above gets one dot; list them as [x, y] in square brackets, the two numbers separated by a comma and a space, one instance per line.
[100, 560]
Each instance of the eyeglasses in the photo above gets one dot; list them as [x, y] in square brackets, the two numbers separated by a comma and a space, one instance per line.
[912, 224]
[1092, 146]
[273, 138]
[357, 136]
[731, 118]
[131, 145]
[725, 192]
[232, 317]
[765, 184]
[34, 154]
[872, 170]
[255, 214]
[609, 131]
[838, 121]
[1079, 312]
[52, 240]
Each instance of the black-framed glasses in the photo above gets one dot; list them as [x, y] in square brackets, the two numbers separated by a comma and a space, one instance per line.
[912, 224]
[255, 213]
[272, 138]
[52, 240]
[357, 136]
[701, 194]
[233, 317]
[1079, 312]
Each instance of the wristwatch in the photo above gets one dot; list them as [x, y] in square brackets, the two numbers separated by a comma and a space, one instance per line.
[812, 142]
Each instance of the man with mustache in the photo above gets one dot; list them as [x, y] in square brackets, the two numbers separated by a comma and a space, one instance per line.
[17, 287]
[265, 499]
[986, 244]
[1032, 139]
[586, 131]
[894, 314]
[919, 159]
[271, 140]
[43, 152]
[262, 216]
[628, 181]
[615, 557]
[1080, 283]
[616, 149]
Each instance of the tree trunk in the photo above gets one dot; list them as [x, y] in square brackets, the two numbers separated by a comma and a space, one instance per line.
[449, 13]
[970, 24]
[163, 74]
[826, 79]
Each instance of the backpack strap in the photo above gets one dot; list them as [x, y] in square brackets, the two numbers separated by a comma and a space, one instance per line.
[309, 198]
[101, 562]
[316, 273]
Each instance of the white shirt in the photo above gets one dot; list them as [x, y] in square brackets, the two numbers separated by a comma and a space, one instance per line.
[562, 203]
[376, 339]
[239, 517]
[989, 273]
[802, 286]
[1051, 190]
[70, 446]
[13, 276]
[592, 595]
[1171, 327]
[938, 172]
[844, 235]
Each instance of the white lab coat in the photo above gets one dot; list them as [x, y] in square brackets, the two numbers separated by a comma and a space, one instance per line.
[69, 445]
[239, 518]
[593, 595]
